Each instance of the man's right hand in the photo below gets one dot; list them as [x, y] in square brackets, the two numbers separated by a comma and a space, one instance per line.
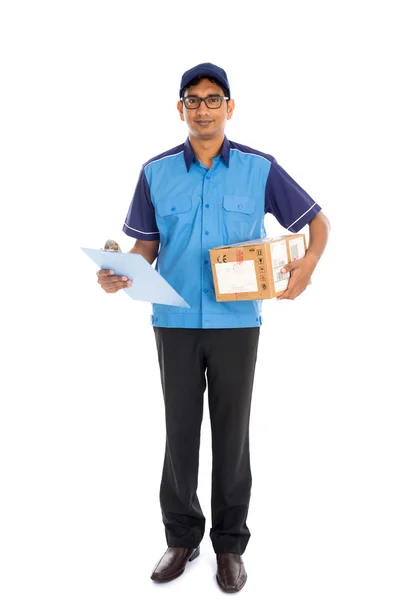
[112, 283]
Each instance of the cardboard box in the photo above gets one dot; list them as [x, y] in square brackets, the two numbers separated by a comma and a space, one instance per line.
[251, 270]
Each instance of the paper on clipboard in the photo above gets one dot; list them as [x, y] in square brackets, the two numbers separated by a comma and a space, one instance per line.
[147, 283]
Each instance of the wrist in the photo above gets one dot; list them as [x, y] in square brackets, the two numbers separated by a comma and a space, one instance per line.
[311, 257]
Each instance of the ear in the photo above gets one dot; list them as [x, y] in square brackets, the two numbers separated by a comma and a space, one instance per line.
[179, 106]
[231, 108]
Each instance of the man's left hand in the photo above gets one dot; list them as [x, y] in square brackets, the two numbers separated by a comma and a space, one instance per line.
[300, 274]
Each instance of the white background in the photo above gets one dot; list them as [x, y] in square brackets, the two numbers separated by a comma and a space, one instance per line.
[82, 424]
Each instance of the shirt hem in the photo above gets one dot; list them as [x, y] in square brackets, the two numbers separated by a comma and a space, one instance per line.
[205, 321]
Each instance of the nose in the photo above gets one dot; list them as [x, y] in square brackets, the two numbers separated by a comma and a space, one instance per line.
[203, 108]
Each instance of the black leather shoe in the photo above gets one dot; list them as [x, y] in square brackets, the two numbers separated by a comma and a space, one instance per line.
[173, 563]
[231, 574]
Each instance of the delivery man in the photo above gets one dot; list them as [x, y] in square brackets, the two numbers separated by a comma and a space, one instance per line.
[208, 192]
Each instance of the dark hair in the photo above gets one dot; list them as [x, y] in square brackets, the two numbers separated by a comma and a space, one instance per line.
[197, 80]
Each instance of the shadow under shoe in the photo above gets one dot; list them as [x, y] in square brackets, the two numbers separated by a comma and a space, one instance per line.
[173, 563]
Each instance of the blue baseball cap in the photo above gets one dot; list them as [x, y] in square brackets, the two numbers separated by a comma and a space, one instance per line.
[207, 70]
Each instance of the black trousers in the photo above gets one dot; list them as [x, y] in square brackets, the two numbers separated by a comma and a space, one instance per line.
[190, 359]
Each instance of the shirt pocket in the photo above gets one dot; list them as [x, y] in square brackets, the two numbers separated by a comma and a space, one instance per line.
[175, 205]
[241, 205]
[239, 218]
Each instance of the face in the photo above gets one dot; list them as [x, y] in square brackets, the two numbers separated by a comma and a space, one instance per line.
[203, 122]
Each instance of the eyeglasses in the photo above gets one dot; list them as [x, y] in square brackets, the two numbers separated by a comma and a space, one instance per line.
[213, 101]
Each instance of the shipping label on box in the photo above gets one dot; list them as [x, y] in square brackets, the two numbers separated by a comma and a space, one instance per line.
[236, 277]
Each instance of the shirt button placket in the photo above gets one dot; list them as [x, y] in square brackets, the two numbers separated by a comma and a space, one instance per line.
[206, 232]
[206, 217]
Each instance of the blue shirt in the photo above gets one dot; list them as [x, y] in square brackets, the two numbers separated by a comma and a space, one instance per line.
[191, 209]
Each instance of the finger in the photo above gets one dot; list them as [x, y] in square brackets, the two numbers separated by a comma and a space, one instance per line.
[104, 272]
[114, 287]
[287, 268]
[282, 297]
[287, 294]
[290, 266]
[112, 278]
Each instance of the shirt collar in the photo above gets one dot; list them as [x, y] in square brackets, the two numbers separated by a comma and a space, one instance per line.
[189, 155]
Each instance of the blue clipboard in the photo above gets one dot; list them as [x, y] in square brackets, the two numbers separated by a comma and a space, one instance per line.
[147, 283]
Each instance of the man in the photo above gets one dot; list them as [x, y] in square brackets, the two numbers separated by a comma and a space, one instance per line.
[204, 193]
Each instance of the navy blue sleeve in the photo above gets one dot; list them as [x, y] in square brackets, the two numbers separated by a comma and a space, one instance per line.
[140, 222]
[292, 207]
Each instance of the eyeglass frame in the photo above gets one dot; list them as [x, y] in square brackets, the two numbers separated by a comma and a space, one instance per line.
[204, 100]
